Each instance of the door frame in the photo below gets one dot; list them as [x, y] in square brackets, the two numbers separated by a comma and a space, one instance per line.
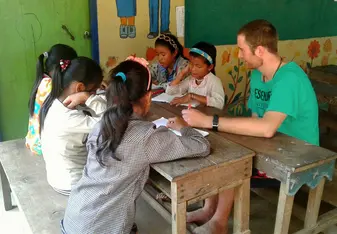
[94, 30]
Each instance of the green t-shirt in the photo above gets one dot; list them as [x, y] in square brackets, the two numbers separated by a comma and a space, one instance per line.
[289, 92]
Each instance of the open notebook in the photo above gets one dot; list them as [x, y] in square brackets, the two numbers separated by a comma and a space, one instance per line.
[163, 122]
[164, 97]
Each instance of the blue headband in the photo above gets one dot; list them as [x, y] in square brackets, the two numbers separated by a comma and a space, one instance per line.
[203, 54]
[122, 75]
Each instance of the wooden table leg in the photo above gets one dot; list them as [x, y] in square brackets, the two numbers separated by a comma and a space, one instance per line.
[241, 208]
[178, 212]
[314, 202]
[284, 210]
[6, 190]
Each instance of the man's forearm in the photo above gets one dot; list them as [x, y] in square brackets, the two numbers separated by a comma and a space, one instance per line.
[250, 126]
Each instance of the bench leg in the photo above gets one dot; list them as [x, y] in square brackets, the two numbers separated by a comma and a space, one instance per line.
[284, 210]
[314, 202]
[241, 208]
[178, 212]
[6, 190]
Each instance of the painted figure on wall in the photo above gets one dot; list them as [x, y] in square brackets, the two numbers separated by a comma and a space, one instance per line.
[126, 11]
[154, 17]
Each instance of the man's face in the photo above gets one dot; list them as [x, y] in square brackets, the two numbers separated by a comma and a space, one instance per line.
[252, 60]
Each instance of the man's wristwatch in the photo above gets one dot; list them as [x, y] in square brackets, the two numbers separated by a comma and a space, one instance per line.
[215, 124]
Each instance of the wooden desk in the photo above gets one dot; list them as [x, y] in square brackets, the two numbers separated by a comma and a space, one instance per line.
[191, 180]
[294, 163]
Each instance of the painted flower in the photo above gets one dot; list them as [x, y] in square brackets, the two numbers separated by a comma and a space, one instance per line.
[327, 46]
[314, 49]
[226, 55]
[325, 60]
[186, 53]
[228, 70]
[111, 62]
[150, 53]
[291, 45]
[236, 52]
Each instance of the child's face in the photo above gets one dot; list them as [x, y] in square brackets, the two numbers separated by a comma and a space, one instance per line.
[76, 87]
[165, 57]
[199, 69]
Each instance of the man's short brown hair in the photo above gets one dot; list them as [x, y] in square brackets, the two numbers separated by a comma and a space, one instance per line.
[260, 33]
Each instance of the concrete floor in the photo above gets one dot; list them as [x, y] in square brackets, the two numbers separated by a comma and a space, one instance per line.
[149, 222]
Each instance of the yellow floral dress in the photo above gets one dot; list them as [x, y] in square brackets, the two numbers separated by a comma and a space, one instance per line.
[33, 136]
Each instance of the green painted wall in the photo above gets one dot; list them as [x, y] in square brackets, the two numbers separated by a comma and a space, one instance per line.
[27, 29]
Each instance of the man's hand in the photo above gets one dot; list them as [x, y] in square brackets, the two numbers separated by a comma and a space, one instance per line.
[196, 118]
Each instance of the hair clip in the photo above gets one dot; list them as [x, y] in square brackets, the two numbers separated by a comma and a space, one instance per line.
[145, 63]
[169, 40]
[64, 64]
[122, 75]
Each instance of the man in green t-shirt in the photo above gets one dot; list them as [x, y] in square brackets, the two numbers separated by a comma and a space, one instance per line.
[282, 99]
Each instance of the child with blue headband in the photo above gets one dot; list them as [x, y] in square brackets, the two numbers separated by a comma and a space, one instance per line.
[202, 85]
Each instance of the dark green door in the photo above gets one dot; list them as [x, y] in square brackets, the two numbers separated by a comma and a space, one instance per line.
[27, 29]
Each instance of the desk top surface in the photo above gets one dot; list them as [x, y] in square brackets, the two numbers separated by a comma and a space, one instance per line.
[286, 152]
[223, 152]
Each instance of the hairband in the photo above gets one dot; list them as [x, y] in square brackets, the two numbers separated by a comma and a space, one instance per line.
[203, 54]
[145, 64]
[169, 40]
[45, 54]
[122, 75]
[64, 64]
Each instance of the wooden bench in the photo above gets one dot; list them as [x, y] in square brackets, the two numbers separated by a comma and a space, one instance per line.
[24, 175]
[294, 163]
[191, 180]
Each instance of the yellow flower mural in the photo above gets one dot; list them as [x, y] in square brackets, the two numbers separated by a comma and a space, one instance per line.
[327, 46]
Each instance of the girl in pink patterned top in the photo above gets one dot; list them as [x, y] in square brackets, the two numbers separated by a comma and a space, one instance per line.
[41, 89]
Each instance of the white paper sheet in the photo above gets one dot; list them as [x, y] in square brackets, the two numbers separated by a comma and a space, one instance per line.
[180, 20]
[164, 97]
[163, 122]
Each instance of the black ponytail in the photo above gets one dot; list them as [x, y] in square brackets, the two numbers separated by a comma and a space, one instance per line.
[55, 92]
[81, 69]
[121, 95]
[53, 57]
[39, 76]
[207, 48]
[115, 120]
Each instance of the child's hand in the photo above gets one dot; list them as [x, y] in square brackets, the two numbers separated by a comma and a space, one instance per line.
[176, 123]
[181, 100]
[73, 100]
[186, 70]
[104, 85]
